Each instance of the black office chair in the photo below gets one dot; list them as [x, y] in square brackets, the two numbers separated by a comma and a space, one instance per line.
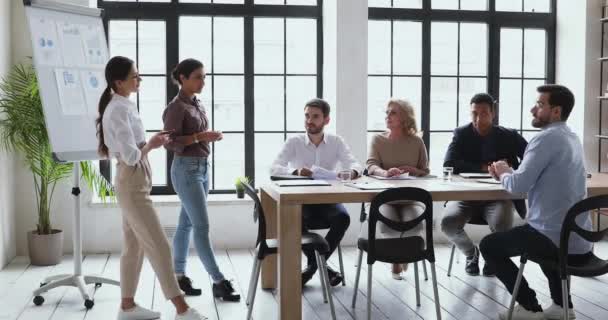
[592, 267]
[363, 218]
[398, 250]
[266, 247]
[481, 221]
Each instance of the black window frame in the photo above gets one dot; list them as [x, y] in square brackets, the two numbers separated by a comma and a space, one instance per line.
[169, 12]
[495, 20]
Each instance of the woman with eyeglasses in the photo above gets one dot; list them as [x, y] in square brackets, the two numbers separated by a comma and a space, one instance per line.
[121, 134]
[188, 121]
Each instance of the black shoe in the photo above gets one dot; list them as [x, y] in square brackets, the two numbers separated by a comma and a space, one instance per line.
[185, 284]
[335, 278]
[488, 270]
[225, 291]
[472, 266]
[308, 273]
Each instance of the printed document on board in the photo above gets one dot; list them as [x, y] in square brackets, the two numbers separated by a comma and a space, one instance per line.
[70, 92]
[44, 32]
[93, 83]
[71, 44]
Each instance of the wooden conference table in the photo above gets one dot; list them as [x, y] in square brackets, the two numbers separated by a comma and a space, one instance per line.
[283, 209]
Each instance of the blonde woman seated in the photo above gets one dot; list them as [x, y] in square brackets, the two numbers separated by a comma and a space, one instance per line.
[397, 151]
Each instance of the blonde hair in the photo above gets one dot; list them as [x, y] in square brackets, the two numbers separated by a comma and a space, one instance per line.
[408, 117]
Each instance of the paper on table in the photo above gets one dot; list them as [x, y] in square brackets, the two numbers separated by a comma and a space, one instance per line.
[404, 176]
[322, 173]
[364, 185]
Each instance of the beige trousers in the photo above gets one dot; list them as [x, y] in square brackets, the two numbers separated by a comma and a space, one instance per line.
[142, 231]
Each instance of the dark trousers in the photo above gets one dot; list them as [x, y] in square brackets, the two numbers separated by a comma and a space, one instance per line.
[324, 216]
[497, 249]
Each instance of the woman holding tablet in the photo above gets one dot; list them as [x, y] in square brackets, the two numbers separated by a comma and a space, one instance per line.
[121, 135]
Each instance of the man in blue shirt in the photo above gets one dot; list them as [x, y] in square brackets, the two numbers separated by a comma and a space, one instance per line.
[474, 147]
[553, 175]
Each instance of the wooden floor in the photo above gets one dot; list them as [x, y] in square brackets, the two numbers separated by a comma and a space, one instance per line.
[461, 296]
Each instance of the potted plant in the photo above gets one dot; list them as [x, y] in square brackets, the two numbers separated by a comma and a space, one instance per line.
[23, 130]
[238, 184]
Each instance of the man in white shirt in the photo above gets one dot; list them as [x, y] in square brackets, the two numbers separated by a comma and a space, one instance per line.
[317, 154]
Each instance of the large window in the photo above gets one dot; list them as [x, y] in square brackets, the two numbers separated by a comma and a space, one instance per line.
[439, 53]
[263, 60]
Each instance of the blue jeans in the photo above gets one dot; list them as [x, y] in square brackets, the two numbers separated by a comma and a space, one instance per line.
[191, 182]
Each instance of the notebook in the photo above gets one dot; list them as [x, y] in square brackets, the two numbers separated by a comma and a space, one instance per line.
[301, 183]
[288, 177]
[405, 176]
[475, 175]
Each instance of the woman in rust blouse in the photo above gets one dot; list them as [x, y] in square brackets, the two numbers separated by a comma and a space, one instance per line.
[188, 121]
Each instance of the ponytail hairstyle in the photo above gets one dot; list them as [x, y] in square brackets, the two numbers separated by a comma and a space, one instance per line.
[185, 68]
[118, 68]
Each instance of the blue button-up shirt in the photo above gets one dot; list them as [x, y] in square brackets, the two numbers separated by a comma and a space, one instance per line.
[553, 174]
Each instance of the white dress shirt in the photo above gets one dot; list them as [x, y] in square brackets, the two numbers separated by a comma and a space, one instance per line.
[123, 130]
[299, 152]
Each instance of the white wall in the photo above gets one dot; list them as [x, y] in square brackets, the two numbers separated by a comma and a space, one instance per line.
[7, 178]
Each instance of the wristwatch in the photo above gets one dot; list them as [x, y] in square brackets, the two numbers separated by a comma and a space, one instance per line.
[195, 138]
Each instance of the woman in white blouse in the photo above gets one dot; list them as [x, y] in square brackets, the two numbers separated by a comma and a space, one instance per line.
[121, 135]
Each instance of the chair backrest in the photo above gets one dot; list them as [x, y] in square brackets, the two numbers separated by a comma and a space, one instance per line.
[258, 214]
[401, 194]
[569, 226]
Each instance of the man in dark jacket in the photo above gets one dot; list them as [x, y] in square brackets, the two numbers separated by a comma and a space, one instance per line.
[474, 147]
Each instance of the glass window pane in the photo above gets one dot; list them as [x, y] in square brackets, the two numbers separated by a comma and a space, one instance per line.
[229, 155]
[152, 47]
[537, 6]
[534, 53]
[300, 89]
[301, 46]
[228, 45]
[443, 103]
[468, 87]
[379, 3]
[122, 35]
[269, 104]
[510, 103]
[205, 97]
[510, 52]
[195, 40]
[473, 49]
[444, 46]
[267, 147]
[268, 45]
[154, 0]
[439, 143]
[152, 101]
[302, 2]
[409, 88]
[228, 1]
[378, 93]
[509, 5]
[195, 1]
[529, 98]
[407, 47]
[444, 4]
[379, 47]
[528, 135]
[229, 103]
[415, 4]
[474, 5]
[158, 164]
